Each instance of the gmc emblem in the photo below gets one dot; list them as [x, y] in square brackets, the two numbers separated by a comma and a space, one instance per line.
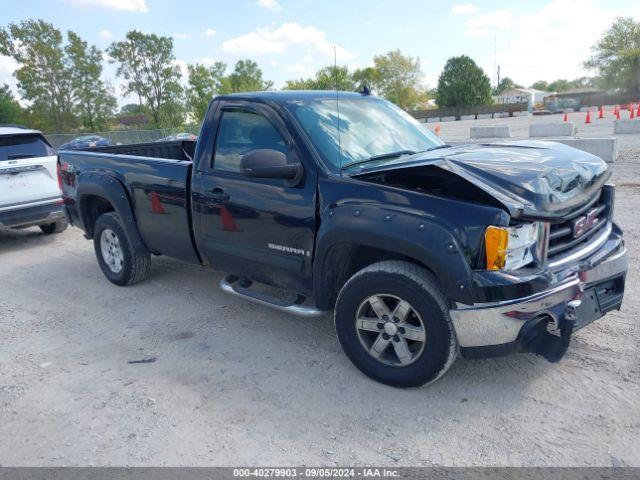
[583, 224]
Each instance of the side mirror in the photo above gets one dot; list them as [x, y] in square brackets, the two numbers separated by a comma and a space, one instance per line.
[267, 163]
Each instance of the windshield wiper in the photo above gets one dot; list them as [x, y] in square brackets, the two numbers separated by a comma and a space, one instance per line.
[444, 145]
[383, 156]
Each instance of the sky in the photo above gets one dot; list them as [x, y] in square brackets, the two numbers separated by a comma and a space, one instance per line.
[530, 40]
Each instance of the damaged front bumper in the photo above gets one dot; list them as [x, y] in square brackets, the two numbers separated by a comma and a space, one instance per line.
[585, 290]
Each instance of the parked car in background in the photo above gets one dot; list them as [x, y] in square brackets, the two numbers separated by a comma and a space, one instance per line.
[29, 189]
[179, 137]
[85, 141]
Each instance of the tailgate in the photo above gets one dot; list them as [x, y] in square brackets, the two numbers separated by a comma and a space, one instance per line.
[28, 182]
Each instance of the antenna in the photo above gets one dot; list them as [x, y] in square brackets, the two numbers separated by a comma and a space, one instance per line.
[335, 78]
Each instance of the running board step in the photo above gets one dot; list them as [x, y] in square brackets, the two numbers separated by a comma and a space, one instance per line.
[292, 304]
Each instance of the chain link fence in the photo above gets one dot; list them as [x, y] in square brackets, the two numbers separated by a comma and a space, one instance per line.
[122, 137]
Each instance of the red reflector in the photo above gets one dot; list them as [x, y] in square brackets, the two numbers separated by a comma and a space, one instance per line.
[59, 172]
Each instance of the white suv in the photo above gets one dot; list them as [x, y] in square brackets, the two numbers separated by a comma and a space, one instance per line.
[29, 188]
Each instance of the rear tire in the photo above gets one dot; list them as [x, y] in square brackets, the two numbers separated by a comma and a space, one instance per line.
[393, 323]
[117, 259]
[55, 227]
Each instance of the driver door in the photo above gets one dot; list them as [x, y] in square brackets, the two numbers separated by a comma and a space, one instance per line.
[254, 227]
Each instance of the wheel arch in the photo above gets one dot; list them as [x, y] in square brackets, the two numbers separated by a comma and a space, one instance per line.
[343, 252]
[101, 193]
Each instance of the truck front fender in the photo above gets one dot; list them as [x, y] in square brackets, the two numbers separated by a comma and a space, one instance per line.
[110, 189]
[403, 234]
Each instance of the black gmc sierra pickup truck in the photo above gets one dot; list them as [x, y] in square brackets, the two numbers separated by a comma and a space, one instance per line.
[344, 202]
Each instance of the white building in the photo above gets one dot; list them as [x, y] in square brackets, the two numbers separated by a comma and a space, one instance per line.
[517, 95]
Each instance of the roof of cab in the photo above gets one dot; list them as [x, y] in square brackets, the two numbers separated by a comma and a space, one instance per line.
[289, 95]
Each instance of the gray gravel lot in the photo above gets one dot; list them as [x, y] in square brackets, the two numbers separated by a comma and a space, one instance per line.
[236, 383]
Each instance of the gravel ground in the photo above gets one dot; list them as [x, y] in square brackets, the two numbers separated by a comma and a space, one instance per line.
[235, 383]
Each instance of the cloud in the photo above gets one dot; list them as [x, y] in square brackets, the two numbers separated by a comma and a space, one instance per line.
[209, 32]
[106, 34]
[488, 23]
[271, 40]
[539, 45]
[125, 5]
[183, 66]
[269, 5]
[464, 9]
[7, 66]
[299, 69]
[180, 36]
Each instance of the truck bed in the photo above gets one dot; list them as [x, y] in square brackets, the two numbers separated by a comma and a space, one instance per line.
[156, 177]
[174, 150]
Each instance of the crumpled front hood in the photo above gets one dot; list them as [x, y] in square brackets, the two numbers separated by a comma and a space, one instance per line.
[531, 178]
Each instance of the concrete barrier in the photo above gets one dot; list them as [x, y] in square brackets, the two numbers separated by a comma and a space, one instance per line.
[520, 114]
[448, 119]
[605, 148]
[564, 129]
[467, 117]
[433, 119]
[490, 131]
[483, 116]
[627, 126]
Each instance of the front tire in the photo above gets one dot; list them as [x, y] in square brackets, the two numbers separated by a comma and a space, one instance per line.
[55, 227]
[117, 259]
[393, 323]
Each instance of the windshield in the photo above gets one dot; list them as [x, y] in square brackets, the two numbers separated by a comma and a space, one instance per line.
[369, 127]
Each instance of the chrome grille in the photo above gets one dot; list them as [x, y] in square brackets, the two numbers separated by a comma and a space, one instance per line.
[582, 225]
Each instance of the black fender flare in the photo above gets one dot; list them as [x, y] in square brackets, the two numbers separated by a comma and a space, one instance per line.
[417, 238]
[110, 188]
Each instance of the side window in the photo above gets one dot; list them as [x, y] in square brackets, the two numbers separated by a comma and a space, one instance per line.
[239, 133]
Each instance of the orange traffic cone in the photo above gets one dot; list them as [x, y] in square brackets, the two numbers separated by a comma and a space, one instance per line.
[638, 112]
[566, 117]
[617, 112]
[588, 117]
[631, 115]
[438, 129]
[600, 112]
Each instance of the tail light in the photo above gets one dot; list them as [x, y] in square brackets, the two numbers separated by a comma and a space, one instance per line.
[59, 173]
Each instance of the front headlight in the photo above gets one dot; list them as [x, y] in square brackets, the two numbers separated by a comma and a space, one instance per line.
[509, 248]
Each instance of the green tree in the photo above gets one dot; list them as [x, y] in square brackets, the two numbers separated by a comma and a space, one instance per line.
[327, 78]
[462, 83]
[397, 78]
[147, 63]
[43, 76]
[560, 85]
[60, 81]
[10, 110]
[132, 109]
[541, 85]
[505, 84]
[616, 56]
[246, 77]
[94, 103]
[204, 84]
[368, 76]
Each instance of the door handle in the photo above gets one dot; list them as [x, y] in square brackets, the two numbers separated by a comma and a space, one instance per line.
[219, 195]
